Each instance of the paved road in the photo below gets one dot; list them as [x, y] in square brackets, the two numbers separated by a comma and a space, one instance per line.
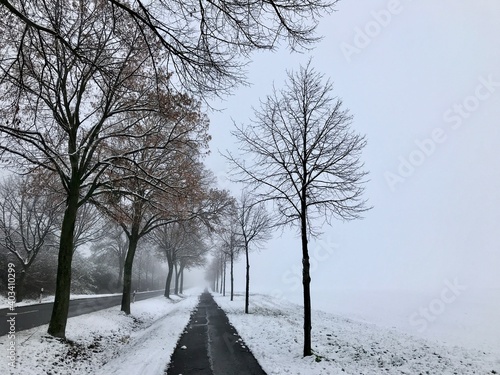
[30, 316]
[211, 346]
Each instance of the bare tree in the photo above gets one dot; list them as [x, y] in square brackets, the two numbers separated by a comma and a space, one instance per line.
[169, 241]
[28, 223]
[182, 245]
[216, 268]
[305, 160]
[254, 228]
[193, 257]
[207, 43]
[230, 245]
[162, 183]
[192, 254]
[212, 273]
[88, 226]
[146, 263]
[114, 243]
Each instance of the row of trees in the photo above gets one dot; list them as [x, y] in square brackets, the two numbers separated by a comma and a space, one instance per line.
[29, 221]
[89, 108]
[96, 103]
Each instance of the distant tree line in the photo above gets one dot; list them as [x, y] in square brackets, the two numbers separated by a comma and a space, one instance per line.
[246, 225]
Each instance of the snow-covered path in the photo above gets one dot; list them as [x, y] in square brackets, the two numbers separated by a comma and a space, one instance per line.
[150, 349]
[211, 346]
[105, 342]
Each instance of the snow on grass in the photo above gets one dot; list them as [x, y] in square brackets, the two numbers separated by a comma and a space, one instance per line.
[273, 331]
[106, 341]
[470, 320]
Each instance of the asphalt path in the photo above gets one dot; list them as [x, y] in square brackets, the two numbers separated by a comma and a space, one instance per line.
[26, 317]
[210, 345]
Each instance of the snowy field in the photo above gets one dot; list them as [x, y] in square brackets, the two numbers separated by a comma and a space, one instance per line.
[468, 318]
[273, 331]
[109, 342]
[105, 342]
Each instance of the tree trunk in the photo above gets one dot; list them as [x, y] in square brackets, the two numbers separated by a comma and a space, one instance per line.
[247, 284]
[169, 279]
[120, 275]
[176, 286]
[59, 317]
[152, 282]
[306, 281]
[127, 271]
[221, 275]
[139, 272]
[214, 285]
[146, 276]
[216, 290]
[20, 285]
[232, 275]
[224, 278]
[182, 280]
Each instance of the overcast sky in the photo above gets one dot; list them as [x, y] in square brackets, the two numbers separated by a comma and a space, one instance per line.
[422, 80]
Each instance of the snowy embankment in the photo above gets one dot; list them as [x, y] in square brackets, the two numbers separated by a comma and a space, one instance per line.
[273, 331]
[106, 341]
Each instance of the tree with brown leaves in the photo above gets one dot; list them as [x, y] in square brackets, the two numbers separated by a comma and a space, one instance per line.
[206, 43]
[64, 96]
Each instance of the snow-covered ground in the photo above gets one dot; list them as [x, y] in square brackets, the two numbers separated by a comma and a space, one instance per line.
[109, 342]
[273, 331]
[468, 317]
[105, 342]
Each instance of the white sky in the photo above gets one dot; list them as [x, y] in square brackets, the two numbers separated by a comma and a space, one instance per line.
[441, 220]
